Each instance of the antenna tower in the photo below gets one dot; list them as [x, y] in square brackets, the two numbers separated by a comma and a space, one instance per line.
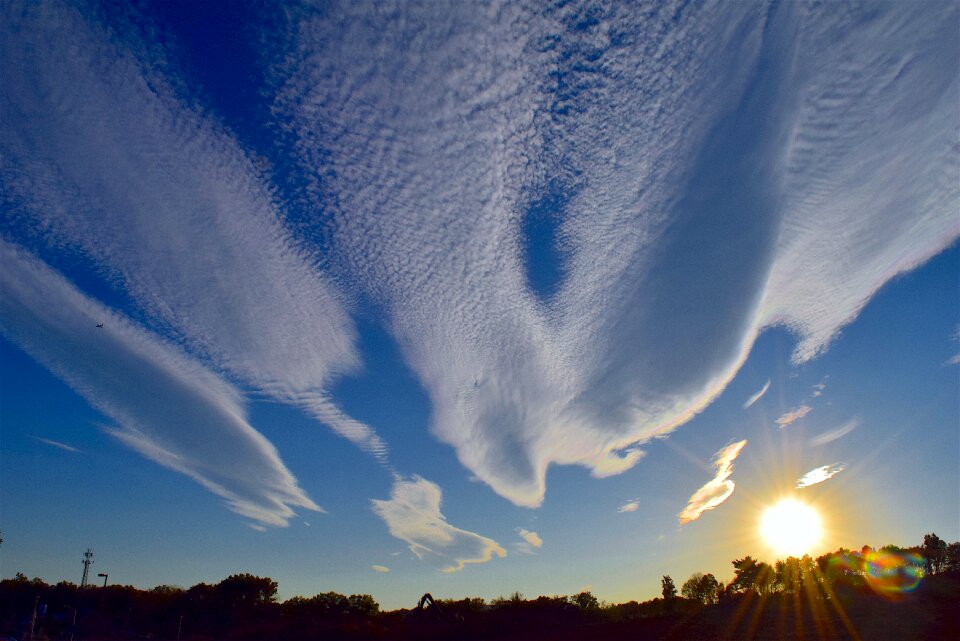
[87, 560]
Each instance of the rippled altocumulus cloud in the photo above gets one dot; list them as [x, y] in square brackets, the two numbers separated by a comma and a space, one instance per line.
[714, 171]
[740, 167]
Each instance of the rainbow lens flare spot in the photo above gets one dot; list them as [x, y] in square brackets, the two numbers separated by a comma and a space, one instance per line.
[888, 573]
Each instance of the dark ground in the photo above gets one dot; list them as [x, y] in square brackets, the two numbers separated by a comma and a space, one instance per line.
[932, 613]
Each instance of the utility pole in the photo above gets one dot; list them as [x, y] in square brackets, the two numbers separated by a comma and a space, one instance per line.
[87, 560]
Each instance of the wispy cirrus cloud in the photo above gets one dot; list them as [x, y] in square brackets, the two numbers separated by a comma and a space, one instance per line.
[820, 474]
[758, 395]
[382, 569]
[629, 506]
[57, 444]
[718, 489]
[433, 157]
[166, 406]
[794, 415]
[833, 435]
[104, 156]
[412, 514]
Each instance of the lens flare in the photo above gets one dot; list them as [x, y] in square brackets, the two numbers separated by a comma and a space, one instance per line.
[791, 527]
[888, 573]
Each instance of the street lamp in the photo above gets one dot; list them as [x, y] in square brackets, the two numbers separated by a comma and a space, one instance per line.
[104, 578]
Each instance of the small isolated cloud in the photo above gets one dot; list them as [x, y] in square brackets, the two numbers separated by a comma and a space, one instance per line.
[531, 538]
[629, 506]
[531, 541]
[756, 397]
[833, 435]
[718, 489]
[413, 515]
[380, 568]
[62, 446]
[819, 387]
[819, 475]
[956, 358]
[793, 415]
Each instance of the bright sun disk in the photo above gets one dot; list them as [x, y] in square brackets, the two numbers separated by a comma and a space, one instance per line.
[790, 527]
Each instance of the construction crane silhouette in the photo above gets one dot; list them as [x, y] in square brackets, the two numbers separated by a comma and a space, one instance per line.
[429, 610]
[430, 607]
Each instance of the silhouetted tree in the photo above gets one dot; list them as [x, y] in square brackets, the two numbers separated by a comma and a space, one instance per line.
[953, 557]
[934, 551]
[788, 575]
[247, 590]
[752, 575]
[721, 592]
[668, 589]
[362, 605]
[691, 586]
[701, 587]
[585, 601]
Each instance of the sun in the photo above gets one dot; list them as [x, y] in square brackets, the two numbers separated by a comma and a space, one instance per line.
[791, 528]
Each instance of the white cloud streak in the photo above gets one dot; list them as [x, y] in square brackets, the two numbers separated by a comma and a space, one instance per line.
[166, 406]
[811, 185]
[820, 474]
[412, 514]
[833, 435]
[794, 415]
[104, 156]
[382, 569]
[719, 488]
[57, 444]
[756, 397]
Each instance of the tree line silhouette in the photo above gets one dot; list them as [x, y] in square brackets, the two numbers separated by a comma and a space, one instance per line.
[896, 592]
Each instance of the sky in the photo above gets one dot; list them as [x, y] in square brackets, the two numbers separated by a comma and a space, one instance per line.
[473, 298]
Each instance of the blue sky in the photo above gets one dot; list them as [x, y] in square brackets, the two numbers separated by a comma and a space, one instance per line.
[495, 298]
